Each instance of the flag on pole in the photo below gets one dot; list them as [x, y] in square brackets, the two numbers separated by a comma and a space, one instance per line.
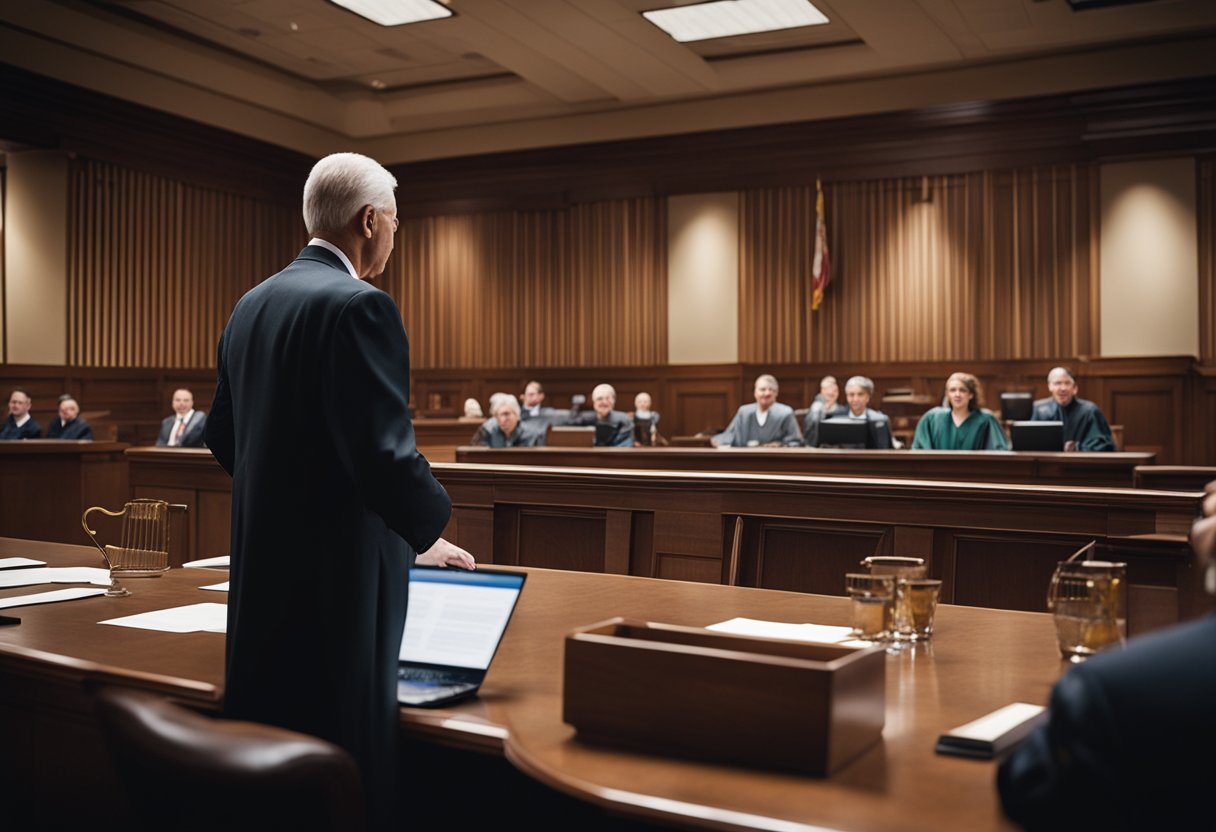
[820, 271]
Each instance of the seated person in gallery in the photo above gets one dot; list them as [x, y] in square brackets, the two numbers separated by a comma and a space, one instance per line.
[533, 399]
[472, 410]
[961, 424]
[20, 424]
[641, 411]
[504, 428]
[613, 429]
[827, 405]
[1085, 427]
[184, 429]
[68, 424]
[1130, 734]
[767, 422]
[858, 391]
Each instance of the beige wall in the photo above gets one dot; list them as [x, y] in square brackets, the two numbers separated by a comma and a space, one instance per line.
[703, 278]
[35, 257]
[1149, 261]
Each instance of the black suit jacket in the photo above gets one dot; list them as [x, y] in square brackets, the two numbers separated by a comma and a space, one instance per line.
[1130, 742]
[193, 437]
[330, 502]
[30, 430]
[76, 429]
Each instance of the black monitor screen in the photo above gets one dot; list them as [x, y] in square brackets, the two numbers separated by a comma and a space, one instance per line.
[1016, 407]
[642, 431]
[1038, 436]
[845, 433]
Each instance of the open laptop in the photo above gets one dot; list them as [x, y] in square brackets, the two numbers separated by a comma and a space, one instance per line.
[453, 625]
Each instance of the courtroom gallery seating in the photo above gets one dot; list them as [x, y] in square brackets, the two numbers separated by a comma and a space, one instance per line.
[185, 771]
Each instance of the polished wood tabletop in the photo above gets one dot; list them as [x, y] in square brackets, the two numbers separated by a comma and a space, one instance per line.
[977, 661]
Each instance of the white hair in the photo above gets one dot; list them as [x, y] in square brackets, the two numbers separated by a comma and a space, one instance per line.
[500, 399]
[604, 388]
[768, 380]
[338, 188]
[1061, 371]
[862, 382]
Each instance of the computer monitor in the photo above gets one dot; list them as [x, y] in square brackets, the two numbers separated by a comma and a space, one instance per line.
[1017, 407]
[845, 433]
[1038, 436]
[643, 428]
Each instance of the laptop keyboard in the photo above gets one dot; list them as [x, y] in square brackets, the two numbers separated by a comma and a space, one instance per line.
[423, 676]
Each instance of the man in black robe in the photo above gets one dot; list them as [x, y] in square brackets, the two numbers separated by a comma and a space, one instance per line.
[68, 424]
[20, 424]
[1085, 427]
[330, 497]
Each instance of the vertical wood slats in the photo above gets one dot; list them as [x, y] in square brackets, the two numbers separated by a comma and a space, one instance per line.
[155, 265]
[1206, 220]
[998, 265]
[585, 285]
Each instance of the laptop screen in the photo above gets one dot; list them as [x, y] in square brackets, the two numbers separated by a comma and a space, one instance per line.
[456, 618]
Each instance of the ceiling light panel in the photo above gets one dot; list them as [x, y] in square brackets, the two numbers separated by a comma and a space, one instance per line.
[395, 12]
[727, 18]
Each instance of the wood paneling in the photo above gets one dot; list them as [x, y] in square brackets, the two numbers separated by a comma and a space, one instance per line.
[996, 265]
[155, 265]
[47, 484]
[1205, 217]
[561, 539]
[584, 285]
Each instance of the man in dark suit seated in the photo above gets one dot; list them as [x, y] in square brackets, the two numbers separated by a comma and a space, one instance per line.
[1085, 426]
[1130, 742]
[20, 424]
[186, 427]
[504, 428]
[68, 424]
[533, 409]
[613, 428]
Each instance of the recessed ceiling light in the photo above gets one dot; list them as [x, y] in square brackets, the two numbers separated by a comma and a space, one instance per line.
[726, 18]
[395, 12]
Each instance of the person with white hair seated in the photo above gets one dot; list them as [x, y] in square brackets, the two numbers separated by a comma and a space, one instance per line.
[504, 429]
[472, 409]
[858, 391]
[613, 428]
[767, 422]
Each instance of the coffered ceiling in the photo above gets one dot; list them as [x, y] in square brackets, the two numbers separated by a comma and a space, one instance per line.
[509, 74]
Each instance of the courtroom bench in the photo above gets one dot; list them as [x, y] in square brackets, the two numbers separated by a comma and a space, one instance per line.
[993, 545]
[48, 483]
[1174, 477]
[1111, 470]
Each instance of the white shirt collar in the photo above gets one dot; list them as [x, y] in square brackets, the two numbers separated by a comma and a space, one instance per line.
[22, 420]
[189, 415]
[326, 244]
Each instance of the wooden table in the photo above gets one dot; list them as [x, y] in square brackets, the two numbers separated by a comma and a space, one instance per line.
[46, 484]
[1108, 470]
[978, 660]
[437, 439]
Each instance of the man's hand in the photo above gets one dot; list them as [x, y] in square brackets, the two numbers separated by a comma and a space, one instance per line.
[443, 553]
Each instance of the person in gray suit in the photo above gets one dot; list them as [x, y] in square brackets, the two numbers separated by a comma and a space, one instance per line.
[767, 422]
[185, 428]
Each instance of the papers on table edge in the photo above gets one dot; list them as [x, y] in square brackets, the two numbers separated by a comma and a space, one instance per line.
[821, 633]
[55, 575]
[217, 587]
[192, 618]
[20, 563]
[993, 733]
[70, 594]
[220, 562]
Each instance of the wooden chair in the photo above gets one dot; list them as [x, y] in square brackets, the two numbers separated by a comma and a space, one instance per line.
[185, 771]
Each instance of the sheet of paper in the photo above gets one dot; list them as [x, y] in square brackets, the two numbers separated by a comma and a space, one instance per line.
[55, 575]
[17, 563]
[193, 618]
[777, 629]
[217, 587]
[50, 597]
[220, 562]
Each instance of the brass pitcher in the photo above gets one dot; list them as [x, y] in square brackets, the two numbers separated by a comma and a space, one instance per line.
[143, 549]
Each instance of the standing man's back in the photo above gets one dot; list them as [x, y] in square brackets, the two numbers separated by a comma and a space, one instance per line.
[331, 498]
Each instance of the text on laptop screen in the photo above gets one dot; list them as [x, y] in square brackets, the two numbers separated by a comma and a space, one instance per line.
[456, 618]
